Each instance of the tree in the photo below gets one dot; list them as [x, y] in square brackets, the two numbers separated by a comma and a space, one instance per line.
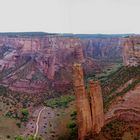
[19, 138]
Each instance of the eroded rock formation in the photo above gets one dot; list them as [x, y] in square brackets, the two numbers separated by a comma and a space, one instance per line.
[83, 107]
[90, 112]
[131, 51]
[30, 61]
[107, 48]
[96, 106]
[52, 58]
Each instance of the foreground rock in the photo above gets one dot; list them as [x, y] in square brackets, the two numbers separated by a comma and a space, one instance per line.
[90, 118]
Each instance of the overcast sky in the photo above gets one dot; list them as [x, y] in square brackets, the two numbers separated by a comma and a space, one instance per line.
[70, 16]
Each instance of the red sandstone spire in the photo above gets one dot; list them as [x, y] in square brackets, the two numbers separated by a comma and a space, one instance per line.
[96, 106]
[90, 118]
[83, 107]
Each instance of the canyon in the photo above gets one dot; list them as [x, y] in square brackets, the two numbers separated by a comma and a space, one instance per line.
[101, 71]
[39, 63]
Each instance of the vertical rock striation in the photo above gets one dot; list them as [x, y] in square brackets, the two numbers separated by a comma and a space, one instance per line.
[90, 112]
[79, 54]
[51, 68]
[131, 51]
[96, 106]
[83, 106]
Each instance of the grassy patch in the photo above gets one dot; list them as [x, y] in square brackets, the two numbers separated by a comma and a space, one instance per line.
[62, 101]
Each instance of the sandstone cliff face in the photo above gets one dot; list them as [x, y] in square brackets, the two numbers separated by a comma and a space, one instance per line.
[83, 107]
[90, 117]
[96, 106]
[131, 51]
[105, 48]
[50, 55]
[53, 57]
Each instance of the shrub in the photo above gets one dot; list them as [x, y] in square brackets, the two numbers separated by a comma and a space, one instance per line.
[8, 136]
[62, 101]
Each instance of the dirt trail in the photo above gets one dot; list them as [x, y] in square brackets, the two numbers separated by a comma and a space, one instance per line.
[37, 122]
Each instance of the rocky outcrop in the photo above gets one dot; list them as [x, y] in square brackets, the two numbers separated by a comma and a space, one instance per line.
[83, 107]
[131, 51]
[51, 68]
[79, 54]
[90, 112]
[96, 106]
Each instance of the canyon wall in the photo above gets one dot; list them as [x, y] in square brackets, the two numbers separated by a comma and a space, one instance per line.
[48, 59]
[131, 51]
[90, 115]
[105, 48]
[29, 61]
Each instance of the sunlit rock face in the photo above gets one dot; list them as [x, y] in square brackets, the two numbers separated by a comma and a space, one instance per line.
[90, 115]
[83, 106]
[131, 51]
[96, 106]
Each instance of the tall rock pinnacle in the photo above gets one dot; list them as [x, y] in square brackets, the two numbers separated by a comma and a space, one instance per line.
[90, 112]
[96, 106]
[83, 106]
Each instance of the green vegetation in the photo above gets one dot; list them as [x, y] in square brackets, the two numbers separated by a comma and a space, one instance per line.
[73, 130]
[18, 124]
[114, 130]
[73, 126]
[25, 112]
[62, 101]
[25, 115]
[73, 115]
[107, 72]
[118, 79]
[19, 138]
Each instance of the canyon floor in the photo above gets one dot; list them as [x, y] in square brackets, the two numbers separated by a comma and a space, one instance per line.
[46, 122]
[49, 123]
